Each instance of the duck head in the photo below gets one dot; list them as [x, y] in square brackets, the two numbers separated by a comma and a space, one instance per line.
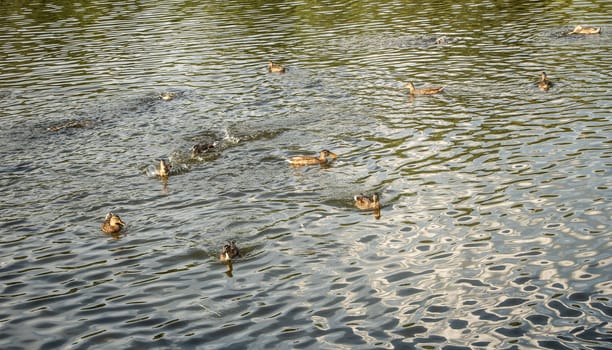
[114, 219]
[112, 223]
[326, 153]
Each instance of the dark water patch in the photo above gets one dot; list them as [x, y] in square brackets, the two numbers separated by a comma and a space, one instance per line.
[604, 308]
[410, 330]
[405, 275]
[551, 344]
[438, 309]
[458, 324]
[578, 296]
[514, 332]
[498, 268]
[488, 316]
[541, 320]
[432, 339]
[563, 310]
[510, 302]
[404, 292]
[455, 347]
[595, 333]
[475, 283]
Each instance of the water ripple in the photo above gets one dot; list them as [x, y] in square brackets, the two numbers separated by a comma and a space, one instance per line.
[494, 228]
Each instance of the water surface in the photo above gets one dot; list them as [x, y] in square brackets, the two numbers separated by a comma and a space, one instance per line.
[494, 231]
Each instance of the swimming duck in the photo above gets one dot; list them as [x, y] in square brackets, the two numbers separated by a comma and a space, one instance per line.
[441, 40]
[112, 223]
[229, 252]
[164, 169]
[275, 68]
[71, 124]
[307, 160]
[364, 202]
[167, 96]
[544, 84]
[585, 30]
[424, 91]
[200, 148]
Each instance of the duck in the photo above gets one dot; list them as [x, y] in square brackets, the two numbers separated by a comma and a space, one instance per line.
[167, 96]
[112, 223]
[200, 148]
[424, 91]
[442, 40]
[164, 169]
[71, 124]
[544, 84]
[308, 160]
[585, 30]
[275, 68]
[364, 202]
[229, 251]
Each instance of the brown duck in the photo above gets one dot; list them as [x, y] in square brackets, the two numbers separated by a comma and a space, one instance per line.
[308, 160]
[366, 203]
[585, 30]
[112, 223]
[229, 252]
[423, 91]
[275, 68]
[544, 84]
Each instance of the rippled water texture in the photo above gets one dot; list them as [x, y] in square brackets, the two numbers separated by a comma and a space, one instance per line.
[495, 226]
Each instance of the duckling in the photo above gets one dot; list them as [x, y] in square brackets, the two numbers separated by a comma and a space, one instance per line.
[229, 252]
[275, 68]
[424, 91]
[112, 223]
[164, 169]
[200, 148]
[307, 160]
[365, 202]
[585, 30]
[544, 84]
[167, 96]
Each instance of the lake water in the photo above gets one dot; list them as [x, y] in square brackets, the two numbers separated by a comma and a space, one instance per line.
[495, 227]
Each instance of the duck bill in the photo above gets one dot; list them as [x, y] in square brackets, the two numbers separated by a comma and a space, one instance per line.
[334, 156]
